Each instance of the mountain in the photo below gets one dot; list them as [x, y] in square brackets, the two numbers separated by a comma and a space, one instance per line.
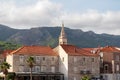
[6, 32]
[49, 36]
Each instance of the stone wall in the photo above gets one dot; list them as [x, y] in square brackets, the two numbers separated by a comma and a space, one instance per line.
[86, 64]
[43, 62]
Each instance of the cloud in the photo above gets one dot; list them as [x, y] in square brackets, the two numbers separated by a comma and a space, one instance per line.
[107, 22]
[47, 13]
[41, 13]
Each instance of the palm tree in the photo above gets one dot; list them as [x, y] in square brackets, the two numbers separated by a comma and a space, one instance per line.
[85, 78]
[4, 67]
[30, 62]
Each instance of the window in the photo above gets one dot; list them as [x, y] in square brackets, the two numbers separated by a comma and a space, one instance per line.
[117, 67]
[75, 59]
[37, 68]
[92, 60]
[52, 68]
[52, 58]
[84, 59]
[21, 58]
[75, 78]
[43, 68]
[26, 69]
[117, 58]
[106, 67]
[21, 68]
[63, 59]
[75, 69]
[43, 58]
[37, 59]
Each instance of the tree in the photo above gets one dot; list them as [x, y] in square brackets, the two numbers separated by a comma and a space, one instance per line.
[85, 78]
[4, 67]
[30, 62]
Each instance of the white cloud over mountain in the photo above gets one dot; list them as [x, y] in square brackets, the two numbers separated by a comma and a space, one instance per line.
[47, 13]
[107, 22]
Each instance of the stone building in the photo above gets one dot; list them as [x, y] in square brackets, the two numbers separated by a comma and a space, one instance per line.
[2, 58]
[76, 62]
[65, 62]
[45, 67]
[109, 62]
[3, 55]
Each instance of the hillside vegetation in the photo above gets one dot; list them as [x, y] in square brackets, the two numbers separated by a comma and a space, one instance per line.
[49, 36]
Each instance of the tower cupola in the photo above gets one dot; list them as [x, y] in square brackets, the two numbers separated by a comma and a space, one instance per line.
[62, 37]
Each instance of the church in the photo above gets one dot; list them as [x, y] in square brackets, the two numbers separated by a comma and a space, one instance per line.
[75, 62]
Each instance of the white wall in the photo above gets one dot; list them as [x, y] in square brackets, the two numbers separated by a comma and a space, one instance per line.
[9, 59]
[63, 65]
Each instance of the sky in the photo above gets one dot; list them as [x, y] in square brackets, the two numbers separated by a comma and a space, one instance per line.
[100, 16]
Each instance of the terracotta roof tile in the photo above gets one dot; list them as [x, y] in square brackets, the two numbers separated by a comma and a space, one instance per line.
[88, 49]
[5, 52]
[35, 50]
[73, 50]
[109, 49]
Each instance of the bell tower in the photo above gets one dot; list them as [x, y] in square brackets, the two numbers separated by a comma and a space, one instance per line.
[62, 37]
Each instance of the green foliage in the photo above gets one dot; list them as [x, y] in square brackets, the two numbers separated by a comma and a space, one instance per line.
[8, 46]
[4, 68]
[30, 61]
[49, 36]
[10, 76]
[1, 78]
[85, 78]
[4, 65]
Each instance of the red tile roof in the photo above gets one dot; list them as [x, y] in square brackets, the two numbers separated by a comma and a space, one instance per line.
[75, 51]
[109, 49]
[35, 50]
[88, 49]
[5, 52]
[2, 56]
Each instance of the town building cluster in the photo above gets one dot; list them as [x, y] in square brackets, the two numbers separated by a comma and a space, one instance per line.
[65, 62]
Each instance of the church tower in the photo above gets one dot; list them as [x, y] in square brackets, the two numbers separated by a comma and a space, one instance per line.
[62, 37]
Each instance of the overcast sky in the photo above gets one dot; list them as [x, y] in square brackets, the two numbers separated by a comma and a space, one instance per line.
[100, 16]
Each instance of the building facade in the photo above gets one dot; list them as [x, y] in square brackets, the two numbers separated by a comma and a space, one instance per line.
[64, 62]
[46, 62]
[109, 62]
[77, 62]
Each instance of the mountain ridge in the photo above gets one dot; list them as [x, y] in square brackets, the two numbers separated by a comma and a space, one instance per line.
[49, 36]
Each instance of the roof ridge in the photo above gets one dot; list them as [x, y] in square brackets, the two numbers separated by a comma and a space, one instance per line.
[88, 53]
[15, 51]
[46, 50]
